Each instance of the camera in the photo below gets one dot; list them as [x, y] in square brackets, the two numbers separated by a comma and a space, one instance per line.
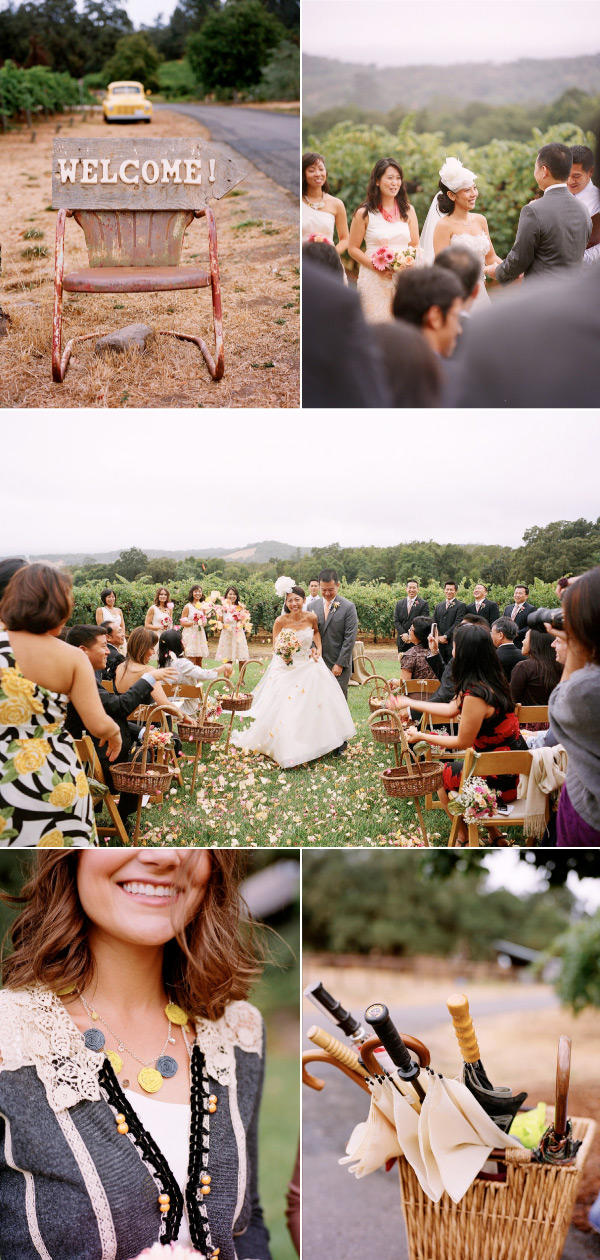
[551, 616]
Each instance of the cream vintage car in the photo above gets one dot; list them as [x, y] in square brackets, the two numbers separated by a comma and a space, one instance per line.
[126, 102]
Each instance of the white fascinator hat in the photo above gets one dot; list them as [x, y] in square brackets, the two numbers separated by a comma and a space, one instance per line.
[284, 585]
[454, 176]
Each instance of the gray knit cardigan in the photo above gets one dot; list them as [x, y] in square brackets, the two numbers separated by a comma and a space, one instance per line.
[73, 1188]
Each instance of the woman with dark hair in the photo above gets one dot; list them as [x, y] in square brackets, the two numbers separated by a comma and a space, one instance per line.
[533, 680]
[299, 710]
[574, 710]
[170, 655]
[322, 214]
[193, 620]
[44, 794]
[141, 647]
[451, 221]
[108, 610]
[414, 662]
[234, 615]
[160, 614]
[486, 714]
[128, 979]
[385, 219]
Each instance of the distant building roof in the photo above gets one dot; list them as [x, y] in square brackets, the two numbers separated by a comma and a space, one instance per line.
[520, 953]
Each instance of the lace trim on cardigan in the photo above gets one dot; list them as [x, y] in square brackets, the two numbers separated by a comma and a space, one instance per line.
[97, 1194]
[30, 1207]
[37, 1031]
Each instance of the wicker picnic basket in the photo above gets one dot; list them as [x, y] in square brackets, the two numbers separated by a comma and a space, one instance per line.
[414, 778]
[147, 771]
[204, 729]
[385, 727]
[381, 691]
[240, 701]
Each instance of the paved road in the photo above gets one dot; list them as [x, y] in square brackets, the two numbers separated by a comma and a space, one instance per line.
[271, 141]
[344, 1217]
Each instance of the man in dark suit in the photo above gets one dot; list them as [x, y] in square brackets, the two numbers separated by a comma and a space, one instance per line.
[447, 614]
[341, 364]
[405, 612]
[482, 606]
[338, 626]
[504, 634]
[92, 641]
[554, 230]
[519, 611]
[115, 640]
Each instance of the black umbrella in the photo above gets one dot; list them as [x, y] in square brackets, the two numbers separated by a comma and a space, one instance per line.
[407, 1068]
[323, 1000]
[498, 1101]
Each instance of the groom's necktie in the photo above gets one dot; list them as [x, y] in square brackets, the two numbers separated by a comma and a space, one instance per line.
[326, 607]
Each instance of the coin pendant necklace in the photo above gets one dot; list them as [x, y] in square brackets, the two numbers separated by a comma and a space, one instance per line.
[153, 1072]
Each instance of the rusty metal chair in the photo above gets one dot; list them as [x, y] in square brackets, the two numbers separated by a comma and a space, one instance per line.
[136, 251]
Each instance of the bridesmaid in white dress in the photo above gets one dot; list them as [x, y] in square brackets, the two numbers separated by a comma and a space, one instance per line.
[322, 214]
[386, 217]
[457, 224]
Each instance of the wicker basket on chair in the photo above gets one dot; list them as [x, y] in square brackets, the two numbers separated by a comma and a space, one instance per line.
[240, 701]
[203, 730]
[146, 773]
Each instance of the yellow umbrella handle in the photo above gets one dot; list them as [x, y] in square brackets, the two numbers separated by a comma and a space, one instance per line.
[336, 1049]
[458, 1006]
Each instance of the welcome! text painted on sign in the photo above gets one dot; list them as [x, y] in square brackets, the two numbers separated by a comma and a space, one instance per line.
[151, 174]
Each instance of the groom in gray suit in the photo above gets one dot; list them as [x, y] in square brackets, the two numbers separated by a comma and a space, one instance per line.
[338, 626]
[553, 231]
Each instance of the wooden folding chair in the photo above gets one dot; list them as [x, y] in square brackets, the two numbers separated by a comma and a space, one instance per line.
[91, 765]
[108, 685]
[495, 763]
[420, 688]
[429, 722]
[527, 713]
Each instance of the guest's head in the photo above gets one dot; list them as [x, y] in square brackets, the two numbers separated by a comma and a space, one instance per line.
[521, 593]
[195, 595]
[462, 262]
[294, 600]
[108, 598]
[170, 641]
[324, 254]
[162, 597]
[232, 595]
[430, 298]
[581, 606]
[114, 633]
[476, 668]
[450, 589]
[419, 631]
[553, 164]
[561, 587]
[314, 173]
[313, 588]
[582, 168]
[386, 180]
[141, 645]
[329, 584]
[38, 598]
[480, 592]
[537, 645]
[7, 568]
[92, 641]
[473, 619]
[412, 370]
[504, 630]
[412, 588]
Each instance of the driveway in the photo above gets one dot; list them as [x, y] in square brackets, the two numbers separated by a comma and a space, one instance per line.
[271, 141]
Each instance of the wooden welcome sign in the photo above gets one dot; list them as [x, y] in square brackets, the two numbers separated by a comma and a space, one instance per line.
[145, 174]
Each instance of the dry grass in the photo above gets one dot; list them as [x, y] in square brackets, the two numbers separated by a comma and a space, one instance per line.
[258, 251]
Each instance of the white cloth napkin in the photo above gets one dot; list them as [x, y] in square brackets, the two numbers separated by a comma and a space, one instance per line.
[548, 773]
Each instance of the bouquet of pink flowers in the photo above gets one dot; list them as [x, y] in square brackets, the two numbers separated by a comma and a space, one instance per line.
[214, 710]
[385, 259]
[475, 801]
[319, 237]
[287, 644]
[199, 614]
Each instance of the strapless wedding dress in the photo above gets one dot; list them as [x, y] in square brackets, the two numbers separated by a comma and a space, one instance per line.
[479, 245]
[298, 711]
[376, 288]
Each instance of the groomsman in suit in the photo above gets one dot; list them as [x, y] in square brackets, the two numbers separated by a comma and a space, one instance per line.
[553, 231]
[338, 627]
[483, 606]
[405, 612]
[447, 614]
[504, 636]
[313, 595]
[519, 612]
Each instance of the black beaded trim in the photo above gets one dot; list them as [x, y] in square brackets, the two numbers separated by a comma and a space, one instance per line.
[199, 1152]
[149, 1151]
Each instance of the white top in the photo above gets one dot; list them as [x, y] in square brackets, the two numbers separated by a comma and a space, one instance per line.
[317, 222]
[590, 198]
[111, 614]
[380, 231]
[158, 616]
[169, 1124]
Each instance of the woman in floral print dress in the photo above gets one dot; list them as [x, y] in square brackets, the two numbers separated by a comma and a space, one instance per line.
[44, 794]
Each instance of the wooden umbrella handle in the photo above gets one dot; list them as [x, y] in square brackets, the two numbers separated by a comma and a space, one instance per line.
[458, 1005]
[563, 1073]
[321, 1056]
[370, 1045]
[336, 1049]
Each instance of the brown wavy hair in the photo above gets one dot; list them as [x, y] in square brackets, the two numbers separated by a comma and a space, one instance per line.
[212, 959]
[139, 643]
[38, 598]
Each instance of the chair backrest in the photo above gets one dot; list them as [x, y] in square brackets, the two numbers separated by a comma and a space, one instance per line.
[430, 720]
[532, 713]
[89, 758]
[493, 763]
[420, 687]
[108, 684]
[183, 692]
[134, 238]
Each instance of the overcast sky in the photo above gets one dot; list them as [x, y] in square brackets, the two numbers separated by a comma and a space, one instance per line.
[307, 479]
[506, 870]
[405, 32]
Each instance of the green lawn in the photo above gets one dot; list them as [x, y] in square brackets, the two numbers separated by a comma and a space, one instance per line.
[244, 799]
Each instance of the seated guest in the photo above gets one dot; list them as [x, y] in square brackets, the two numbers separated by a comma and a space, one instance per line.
[7, 568]
[414, 662]
[324, 254]
[446, 615]
[412, 369]
[464, 263]
[574, 709]
[482, 606]
[519, 611]
[115, 640]
[170, 655]
[581, 186]
[431, 299]
[413, 605]
[504, 635]
[486, 717]
[561, 587]
[534, 678]
[140, 649]
[341, 366]
[445, 691]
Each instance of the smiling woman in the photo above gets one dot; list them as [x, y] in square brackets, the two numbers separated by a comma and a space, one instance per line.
[128, 978]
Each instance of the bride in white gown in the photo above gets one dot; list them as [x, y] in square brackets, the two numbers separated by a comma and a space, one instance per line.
[385, 218]
[451, 221]
[298, 710]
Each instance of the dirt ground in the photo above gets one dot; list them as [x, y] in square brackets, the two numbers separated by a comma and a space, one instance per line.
[258, 237]
[516, 1048]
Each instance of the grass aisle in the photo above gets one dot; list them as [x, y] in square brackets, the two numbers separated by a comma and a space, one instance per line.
[244, 799]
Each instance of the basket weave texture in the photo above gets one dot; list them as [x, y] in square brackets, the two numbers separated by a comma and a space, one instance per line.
[200, 732]
[419, 779]
[237, 703]
[527, 1217]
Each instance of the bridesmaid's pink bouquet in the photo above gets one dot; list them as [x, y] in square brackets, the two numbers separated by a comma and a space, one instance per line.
[383, 258]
